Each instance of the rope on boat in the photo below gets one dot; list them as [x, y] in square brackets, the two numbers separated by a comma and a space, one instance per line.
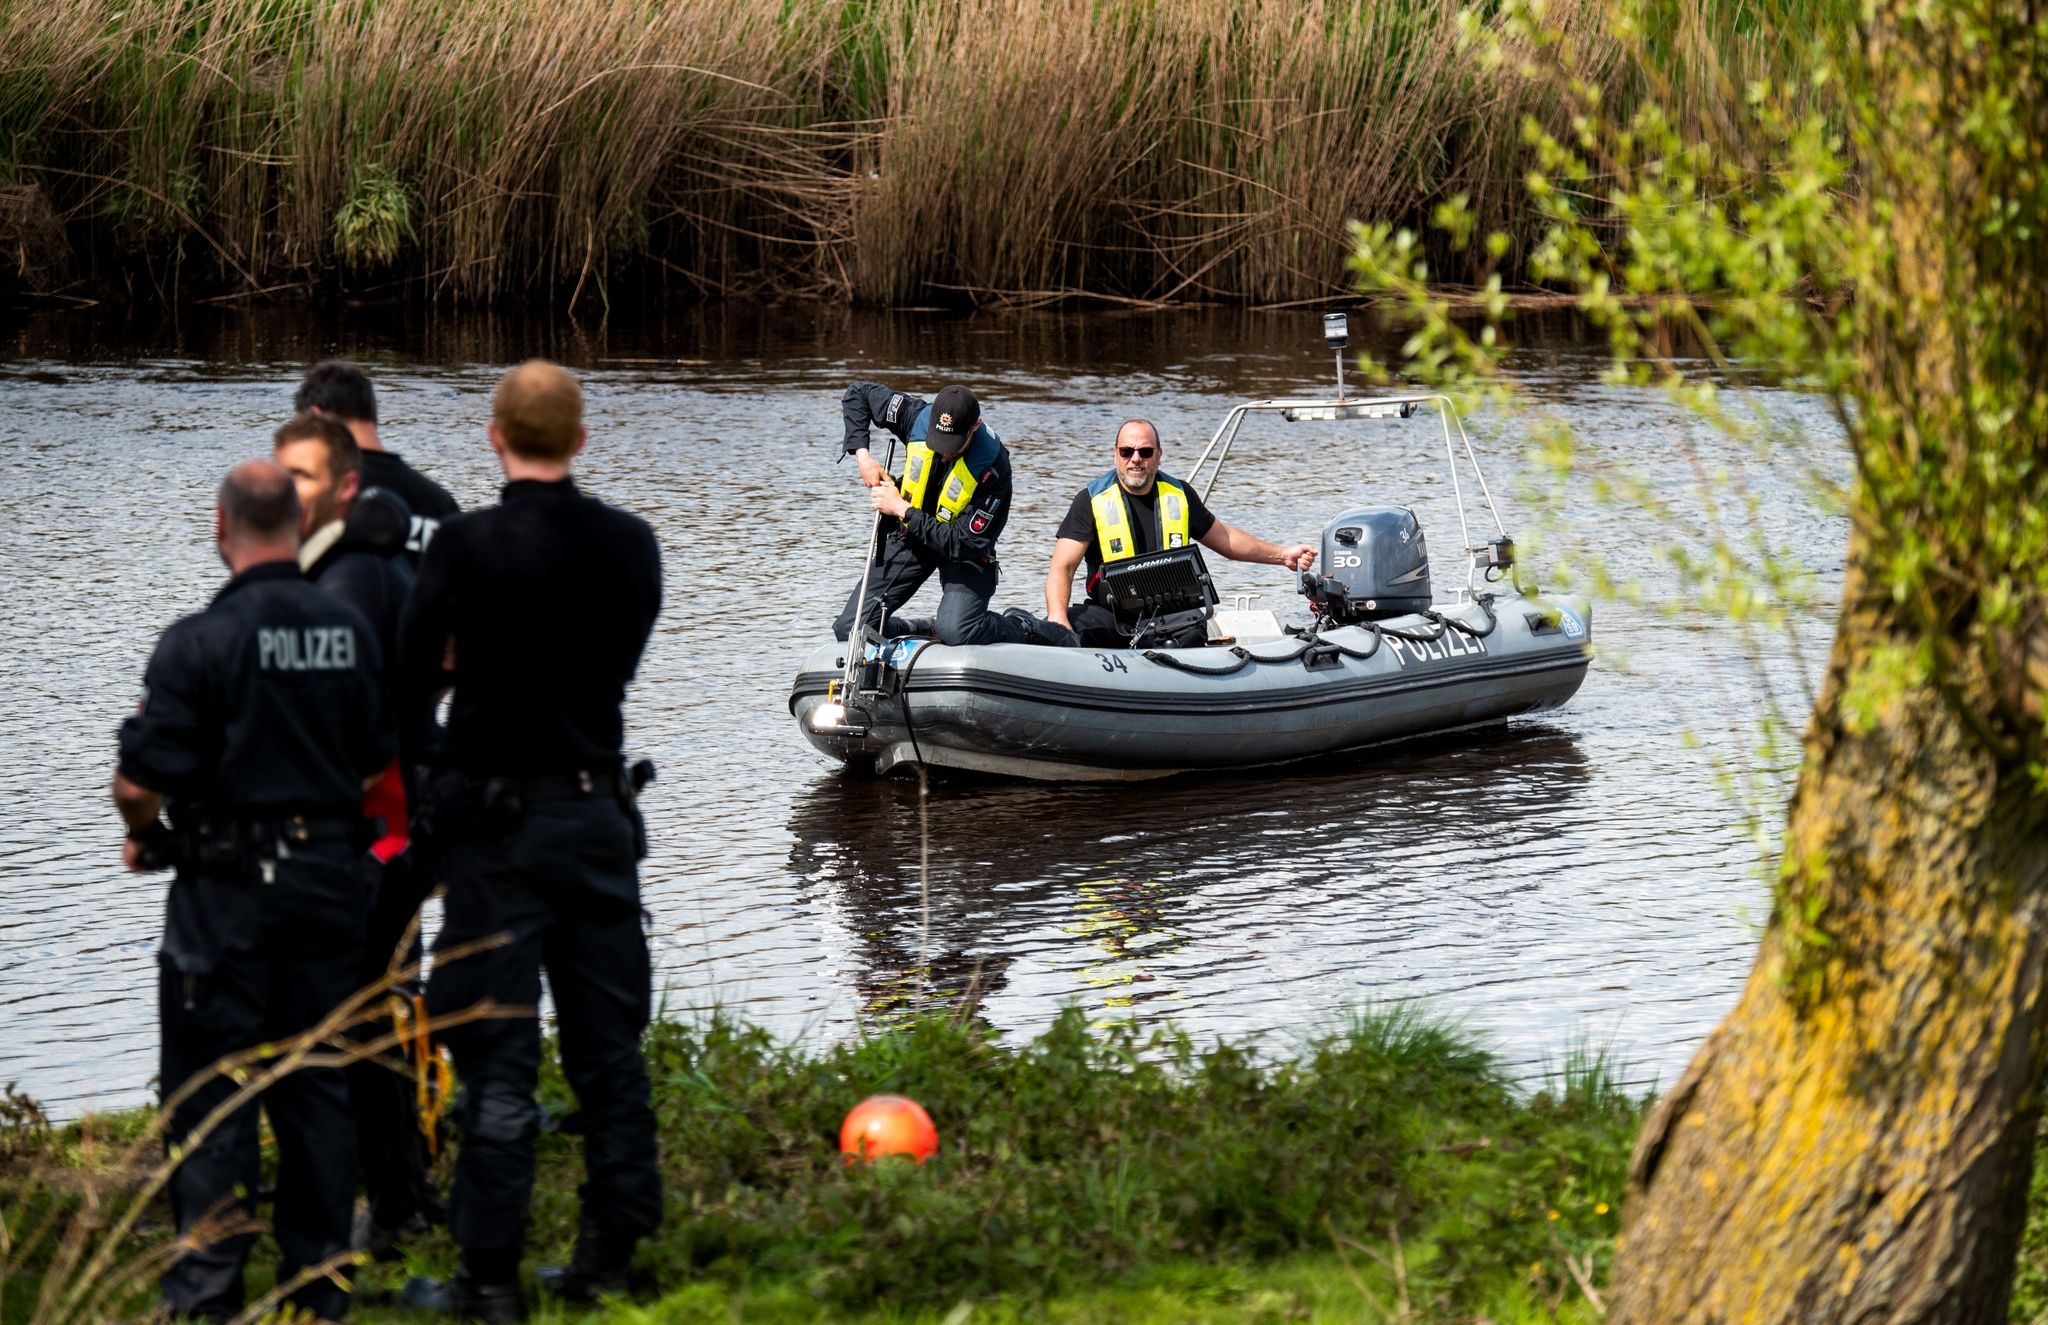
[1166, 659]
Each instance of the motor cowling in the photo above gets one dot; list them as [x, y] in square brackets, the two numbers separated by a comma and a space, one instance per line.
[1375, 564]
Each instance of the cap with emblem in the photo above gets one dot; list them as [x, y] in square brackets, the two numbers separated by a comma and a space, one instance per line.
[955, 413]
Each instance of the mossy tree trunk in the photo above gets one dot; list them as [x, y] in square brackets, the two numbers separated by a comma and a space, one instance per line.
[1854, 1142]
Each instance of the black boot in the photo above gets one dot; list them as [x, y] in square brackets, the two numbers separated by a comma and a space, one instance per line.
[465, 1298]
[919, 627]
[600, 1268]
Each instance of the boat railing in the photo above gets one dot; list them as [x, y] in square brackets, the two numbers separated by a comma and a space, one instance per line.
[1478, 557]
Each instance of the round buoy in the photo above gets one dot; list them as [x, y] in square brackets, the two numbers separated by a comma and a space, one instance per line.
[888, 1125]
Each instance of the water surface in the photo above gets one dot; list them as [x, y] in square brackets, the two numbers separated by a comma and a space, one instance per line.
[1585, 876]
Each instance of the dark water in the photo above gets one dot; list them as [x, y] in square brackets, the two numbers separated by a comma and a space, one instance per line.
[1588, 877]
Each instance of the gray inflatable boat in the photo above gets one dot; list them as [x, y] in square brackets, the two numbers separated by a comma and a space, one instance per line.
[1374, 657]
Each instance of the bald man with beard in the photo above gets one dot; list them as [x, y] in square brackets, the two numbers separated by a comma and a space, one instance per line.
[543, 605]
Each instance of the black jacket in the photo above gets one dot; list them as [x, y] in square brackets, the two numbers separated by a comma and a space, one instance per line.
[971, 537]
[368, 567]
[268, 703]
[549, 598]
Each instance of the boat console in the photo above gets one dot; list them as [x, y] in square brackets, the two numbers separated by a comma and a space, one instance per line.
[1159, 594]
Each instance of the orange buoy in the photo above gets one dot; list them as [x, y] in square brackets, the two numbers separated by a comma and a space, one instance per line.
[888, 1125]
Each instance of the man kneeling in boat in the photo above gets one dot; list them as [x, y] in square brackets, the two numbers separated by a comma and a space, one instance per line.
[944, 519]
[1134, 509]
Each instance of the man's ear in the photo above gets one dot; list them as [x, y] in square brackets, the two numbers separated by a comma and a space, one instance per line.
[220, 530]
[582, 436]
[497, 438]
[346, 490]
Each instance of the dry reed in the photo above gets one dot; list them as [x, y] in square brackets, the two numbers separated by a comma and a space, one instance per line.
[881, 150]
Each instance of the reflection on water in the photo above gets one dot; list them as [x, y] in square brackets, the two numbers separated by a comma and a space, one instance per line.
[1581, 876]
[1195, 899]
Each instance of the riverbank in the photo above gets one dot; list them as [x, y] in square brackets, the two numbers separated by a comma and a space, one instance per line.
[1088, 1172]
[876, 151]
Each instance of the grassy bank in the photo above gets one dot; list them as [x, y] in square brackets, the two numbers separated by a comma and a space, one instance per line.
[1090, 1174]
[878, 150]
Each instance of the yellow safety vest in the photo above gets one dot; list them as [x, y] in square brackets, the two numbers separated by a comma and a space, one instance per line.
[1113, 534]
[959, 489]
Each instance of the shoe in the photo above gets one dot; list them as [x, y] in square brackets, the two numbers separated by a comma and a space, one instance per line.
[1037, 630]
[916, 627]
[382, 1242]
[462, 1298]
[601, 1267]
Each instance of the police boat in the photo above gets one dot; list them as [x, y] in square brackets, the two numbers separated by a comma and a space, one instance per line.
[1373, 656]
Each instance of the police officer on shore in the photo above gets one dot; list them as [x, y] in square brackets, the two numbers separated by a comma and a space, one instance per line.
[944, 517]
[263, 719]
[544, 604]
[340, 390]
[353, 545]
[1132, 509]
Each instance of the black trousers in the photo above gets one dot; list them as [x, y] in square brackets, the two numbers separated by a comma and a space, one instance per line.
[382, 1094]
[563, 886]
[1097, 629]
[900, 569]
[246, 962]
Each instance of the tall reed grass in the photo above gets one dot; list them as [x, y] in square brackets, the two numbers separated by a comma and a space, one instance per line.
[878, 150]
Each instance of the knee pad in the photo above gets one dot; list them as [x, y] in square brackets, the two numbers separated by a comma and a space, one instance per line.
[501, 1113]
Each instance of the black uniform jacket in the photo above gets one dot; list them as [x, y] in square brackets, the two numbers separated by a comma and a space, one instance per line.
[427, 500]
[268, 703]
[971, 536]
[549, 598]
[367, 568]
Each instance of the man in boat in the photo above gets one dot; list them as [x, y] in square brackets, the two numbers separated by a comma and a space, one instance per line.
[342, 391]
[943, 518]
[1134, 509]
[543, 604]
[263, 719]
[353, 545]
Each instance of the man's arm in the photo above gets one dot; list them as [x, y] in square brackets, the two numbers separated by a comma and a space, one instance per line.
[1236, 544]
[139, 807]
[425, 643]
[969, 536]
[870, 404]
[1067, 554]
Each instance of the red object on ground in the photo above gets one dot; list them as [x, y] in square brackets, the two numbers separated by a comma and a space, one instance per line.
[888, 1125]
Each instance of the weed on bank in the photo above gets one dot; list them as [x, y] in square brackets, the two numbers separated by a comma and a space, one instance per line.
[1091, 1170]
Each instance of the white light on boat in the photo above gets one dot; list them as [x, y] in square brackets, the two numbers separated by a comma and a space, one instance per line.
[827, 716]
[1317, 413]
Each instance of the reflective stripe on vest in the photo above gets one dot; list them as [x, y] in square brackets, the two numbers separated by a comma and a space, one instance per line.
[1113, 533]
[959, 489]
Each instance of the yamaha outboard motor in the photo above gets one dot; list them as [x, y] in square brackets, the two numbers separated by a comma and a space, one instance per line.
[1374, 565]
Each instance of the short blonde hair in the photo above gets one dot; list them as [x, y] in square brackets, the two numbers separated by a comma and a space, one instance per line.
[539, 410]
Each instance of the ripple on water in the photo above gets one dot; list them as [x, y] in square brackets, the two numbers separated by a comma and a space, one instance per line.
[1582, 876]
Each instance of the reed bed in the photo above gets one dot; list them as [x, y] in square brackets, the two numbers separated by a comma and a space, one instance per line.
[883, 151]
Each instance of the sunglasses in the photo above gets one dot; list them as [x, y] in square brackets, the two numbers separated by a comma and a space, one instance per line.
[1137, 452]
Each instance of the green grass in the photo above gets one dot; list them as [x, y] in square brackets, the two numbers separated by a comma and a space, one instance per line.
[1097, 1171]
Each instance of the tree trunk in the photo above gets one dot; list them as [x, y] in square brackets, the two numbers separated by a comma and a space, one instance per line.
[1854, 1142]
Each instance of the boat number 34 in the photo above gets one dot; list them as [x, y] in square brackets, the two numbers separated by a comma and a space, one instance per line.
[1110, 664]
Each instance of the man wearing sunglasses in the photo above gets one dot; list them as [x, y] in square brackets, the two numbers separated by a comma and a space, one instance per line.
[943, 518]
[1133, 509]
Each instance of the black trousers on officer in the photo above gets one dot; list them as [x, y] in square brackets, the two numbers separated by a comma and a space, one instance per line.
[1096, 627]
[562, 884]
[245, 962]
[382, 1093]
[900, 569]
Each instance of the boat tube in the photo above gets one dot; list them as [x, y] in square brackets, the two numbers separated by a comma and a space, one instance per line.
[1375, 657]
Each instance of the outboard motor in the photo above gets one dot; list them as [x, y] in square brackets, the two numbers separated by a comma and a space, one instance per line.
[1374, 565]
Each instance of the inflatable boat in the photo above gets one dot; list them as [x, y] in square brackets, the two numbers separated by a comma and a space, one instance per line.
[1373, 656]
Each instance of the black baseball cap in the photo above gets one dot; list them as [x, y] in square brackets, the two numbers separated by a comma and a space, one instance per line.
[955, 414]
